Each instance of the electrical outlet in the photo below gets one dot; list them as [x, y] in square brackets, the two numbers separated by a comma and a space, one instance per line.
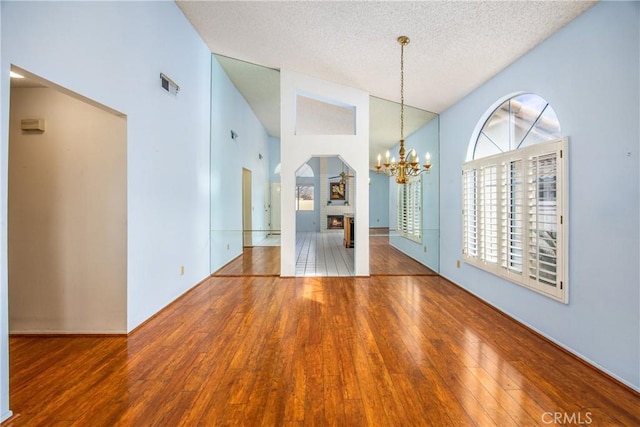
[227, 246]
[425, 248]
[458, 263]
[182, 270]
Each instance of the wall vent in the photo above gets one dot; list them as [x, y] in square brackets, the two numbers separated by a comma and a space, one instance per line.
[169, 85]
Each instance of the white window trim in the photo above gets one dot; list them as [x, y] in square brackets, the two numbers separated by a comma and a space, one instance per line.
[409, 210]
[297, 198]
[481, 239]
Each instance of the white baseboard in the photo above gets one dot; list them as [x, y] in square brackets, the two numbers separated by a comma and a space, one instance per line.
[570, 350]
[5, 416]
[55, 332]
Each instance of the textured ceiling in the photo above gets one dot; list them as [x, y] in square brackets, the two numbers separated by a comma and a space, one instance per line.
[455, 46]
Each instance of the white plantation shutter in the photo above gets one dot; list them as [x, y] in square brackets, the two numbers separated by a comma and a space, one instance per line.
[545, 237]
[470, 214]
[414, 206]
[489, 214]
[514, 216]
[410, 210]
[402, 212]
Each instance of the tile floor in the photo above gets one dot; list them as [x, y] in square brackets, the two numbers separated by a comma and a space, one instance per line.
[318, 254]
[323, 254]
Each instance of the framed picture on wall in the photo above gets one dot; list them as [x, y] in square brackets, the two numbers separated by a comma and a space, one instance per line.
[336, 190]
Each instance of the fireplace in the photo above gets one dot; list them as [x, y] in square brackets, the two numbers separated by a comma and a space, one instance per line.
[335, 222]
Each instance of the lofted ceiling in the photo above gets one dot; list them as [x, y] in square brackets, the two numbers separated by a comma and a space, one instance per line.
[455, 47]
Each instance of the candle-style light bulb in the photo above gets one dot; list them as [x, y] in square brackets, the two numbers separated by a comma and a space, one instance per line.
[393, 160]
[387, 156]
[414, 155]
[379, 159]
[427, 158]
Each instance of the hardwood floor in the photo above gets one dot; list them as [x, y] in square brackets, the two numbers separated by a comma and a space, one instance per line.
[322, 254]
[393, 351]
[254, 261]
[387, 260]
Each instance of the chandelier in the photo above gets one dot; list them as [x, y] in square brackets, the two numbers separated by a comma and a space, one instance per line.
[405, 167]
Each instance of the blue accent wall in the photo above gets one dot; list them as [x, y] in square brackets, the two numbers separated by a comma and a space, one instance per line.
[112, 53]
[310, 220]
[378, 200]
[230, 111]
[589, 73]
[428, 250]
[274, 158]
[335, 166]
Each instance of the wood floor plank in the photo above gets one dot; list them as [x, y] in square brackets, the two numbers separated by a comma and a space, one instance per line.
[373, 405]
[387, 260]
[257, 260]
[504, 399]
[334, 406]
[250, 350]
[323, 254]
[529, 404]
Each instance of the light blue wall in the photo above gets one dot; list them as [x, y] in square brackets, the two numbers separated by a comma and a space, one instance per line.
[310, 220]
[4, 288]
[427, 252]
[335, 166]
[378, 200]
[274, 158]
[113, 53]
[230, 111]
[589, 72]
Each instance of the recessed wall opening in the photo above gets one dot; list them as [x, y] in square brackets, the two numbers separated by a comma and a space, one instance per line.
[318, 116]
[323, 246]
[67, 212]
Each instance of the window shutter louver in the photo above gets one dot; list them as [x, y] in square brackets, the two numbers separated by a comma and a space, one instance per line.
[489, 214]
[409, 222]
[512, 216]
[543, 220]
[470, 213]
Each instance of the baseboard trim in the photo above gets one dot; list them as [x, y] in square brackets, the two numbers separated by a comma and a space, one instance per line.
[156, 314]
[229, 262]
[8, 417]
[245, 275]
[404, 275]
[413, 258]
[568, 351]
[59, 334]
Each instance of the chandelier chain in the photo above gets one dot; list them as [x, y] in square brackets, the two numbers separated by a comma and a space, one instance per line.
[402, 91]
[407, 166]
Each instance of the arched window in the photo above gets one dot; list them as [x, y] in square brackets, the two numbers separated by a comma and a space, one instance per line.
[520, 121]
[514, 190]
